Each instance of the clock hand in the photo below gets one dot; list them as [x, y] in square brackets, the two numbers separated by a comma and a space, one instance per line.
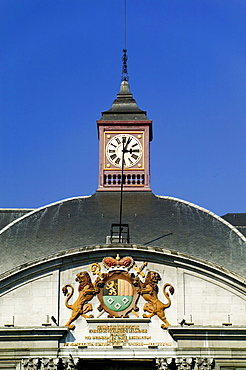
[125, 150]
[130, 151]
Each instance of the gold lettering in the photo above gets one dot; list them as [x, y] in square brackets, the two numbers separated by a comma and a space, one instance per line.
[120, 340]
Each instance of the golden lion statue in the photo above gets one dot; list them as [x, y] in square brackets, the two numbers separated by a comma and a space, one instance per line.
[149, 291]
[86, 293]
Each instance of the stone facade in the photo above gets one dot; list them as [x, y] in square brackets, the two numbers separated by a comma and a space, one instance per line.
[173, 297]
[206, 315]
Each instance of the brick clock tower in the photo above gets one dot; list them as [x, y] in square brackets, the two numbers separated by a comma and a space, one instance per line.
[126, 126]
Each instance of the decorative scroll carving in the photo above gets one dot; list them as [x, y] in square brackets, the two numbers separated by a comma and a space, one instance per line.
[40, 364]
[184, 363]
[49, 363]
[202, 363]
[31, 364]
[96, 269]
[149, 291]
[163, 363]
[69, 364]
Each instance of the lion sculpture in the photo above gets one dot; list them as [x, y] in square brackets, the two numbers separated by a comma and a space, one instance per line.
[81, 306]
[149, 291]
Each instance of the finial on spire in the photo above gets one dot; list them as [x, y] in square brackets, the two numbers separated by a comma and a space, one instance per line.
[124, 76]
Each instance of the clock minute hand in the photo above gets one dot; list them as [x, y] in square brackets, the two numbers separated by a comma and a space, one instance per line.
[124, 149]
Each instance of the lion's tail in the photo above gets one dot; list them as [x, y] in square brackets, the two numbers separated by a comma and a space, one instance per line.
[68, 294]
[166, 294]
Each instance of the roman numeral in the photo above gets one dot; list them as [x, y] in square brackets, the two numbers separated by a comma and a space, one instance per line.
[134, 145]
[117, 161]
[129, 159]
[129, 140]
[134, 156]
[111, 151]
[118, 140]
[113, 145]
[113, 156]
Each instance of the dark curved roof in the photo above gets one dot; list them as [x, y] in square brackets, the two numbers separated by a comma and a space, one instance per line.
[9, 215]
[124, 107]
[84, 256]
[236, 219]
[163, 222]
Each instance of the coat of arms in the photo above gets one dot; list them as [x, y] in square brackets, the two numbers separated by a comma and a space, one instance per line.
[118, 291]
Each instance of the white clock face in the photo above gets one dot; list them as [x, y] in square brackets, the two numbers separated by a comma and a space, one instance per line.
[133, 150]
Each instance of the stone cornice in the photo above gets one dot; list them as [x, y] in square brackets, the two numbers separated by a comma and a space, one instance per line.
[32, 333]
[194, 333]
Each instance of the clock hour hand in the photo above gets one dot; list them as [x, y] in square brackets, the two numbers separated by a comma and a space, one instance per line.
[132, 151]
[125, 150]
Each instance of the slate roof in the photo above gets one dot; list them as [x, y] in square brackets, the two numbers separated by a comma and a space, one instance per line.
[236, 219]
[9, 215]
[124, 108]
[162, 222]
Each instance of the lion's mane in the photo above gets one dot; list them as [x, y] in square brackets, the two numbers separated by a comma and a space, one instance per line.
[149, 280]
[84, 279]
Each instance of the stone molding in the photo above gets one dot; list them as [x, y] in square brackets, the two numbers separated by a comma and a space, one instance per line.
[202, 363]
[50, 363]
[163, 363]
[185, 363]
[236, 333]
[16, 334]
[40, 364]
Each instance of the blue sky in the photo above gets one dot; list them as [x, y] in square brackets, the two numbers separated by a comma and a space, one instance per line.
[61, 66]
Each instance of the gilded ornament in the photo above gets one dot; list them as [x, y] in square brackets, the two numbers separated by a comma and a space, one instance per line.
[118, 291]
[149, 291]
[81, 306]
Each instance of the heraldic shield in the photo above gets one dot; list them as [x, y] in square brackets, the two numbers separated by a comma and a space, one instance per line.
[118, 291]
[118, 296]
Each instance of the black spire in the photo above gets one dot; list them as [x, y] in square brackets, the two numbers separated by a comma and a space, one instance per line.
[124, 76]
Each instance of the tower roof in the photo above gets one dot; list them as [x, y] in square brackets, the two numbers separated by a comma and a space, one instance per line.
[124, 107]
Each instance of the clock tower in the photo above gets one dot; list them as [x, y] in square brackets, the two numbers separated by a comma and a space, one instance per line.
[126, 126]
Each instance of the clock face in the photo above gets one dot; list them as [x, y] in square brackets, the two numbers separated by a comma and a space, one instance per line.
[133, 150]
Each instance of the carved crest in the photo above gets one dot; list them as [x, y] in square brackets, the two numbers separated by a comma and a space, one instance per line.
[86, 292]
[118, 263]
[118, 296]
[118, 291]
